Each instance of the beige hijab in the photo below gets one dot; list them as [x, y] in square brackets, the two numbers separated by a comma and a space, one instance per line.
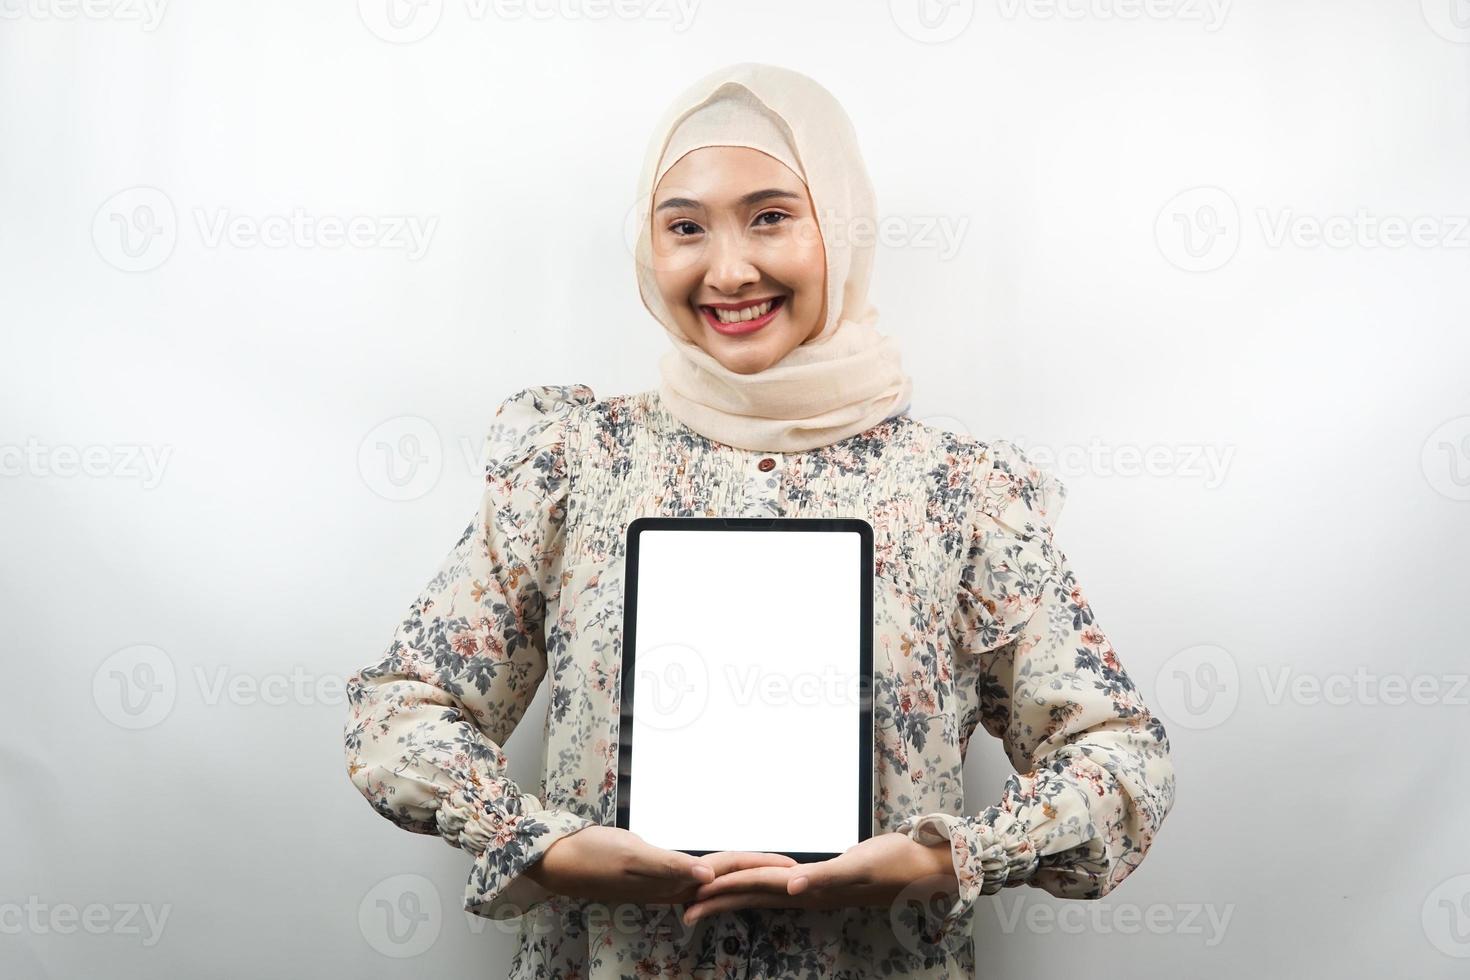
[846, 378]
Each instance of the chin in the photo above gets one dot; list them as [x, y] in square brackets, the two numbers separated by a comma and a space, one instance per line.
[754, 369]
[750, 364]
[739, 356]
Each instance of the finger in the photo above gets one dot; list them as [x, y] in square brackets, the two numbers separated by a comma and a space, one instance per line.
[772, 880]
[737, 900]
[724, 862]
[819, 874]
[658, 863]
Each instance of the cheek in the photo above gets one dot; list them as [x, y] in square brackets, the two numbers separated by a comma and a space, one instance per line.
[676, 286]
[813, 281]
[807, 263]
[809, 274]
[816, 271]
[798, 266]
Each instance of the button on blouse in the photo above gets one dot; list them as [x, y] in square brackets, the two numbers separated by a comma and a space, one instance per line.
[980, 622]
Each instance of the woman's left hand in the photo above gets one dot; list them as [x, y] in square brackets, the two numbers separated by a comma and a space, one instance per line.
[872, 872]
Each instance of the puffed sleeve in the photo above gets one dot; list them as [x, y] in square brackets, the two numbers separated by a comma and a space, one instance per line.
[426, 722]
[1093, 778]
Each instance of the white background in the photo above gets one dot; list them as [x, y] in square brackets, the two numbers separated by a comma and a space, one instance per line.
[1098, 304]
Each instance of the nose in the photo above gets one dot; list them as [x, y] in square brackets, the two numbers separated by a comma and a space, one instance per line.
[730, 268]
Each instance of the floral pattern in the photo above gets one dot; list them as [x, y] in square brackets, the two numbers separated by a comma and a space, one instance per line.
[979, 621]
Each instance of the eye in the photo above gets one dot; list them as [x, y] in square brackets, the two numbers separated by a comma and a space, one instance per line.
[759, 219]
[677, 228]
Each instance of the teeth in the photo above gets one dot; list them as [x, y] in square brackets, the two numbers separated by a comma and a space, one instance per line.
[749, 313]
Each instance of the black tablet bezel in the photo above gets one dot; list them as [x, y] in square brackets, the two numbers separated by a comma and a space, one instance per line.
[773, 525]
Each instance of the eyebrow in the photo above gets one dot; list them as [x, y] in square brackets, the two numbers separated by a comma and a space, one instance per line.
[754, 197]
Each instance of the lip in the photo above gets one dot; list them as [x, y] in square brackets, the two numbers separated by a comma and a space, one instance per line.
[746, 326]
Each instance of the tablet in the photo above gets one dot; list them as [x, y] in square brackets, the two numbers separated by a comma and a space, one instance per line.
[746, 685]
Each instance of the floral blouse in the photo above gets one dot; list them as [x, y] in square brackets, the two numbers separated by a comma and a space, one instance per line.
[978, 621]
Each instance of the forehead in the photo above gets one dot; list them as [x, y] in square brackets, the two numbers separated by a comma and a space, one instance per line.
[716, 174]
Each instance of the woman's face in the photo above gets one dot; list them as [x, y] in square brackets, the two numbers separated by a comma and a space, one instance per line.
[733, 231]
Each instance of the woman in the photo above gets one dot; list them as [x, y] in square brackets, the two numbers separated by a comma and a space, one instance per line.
[778, 398]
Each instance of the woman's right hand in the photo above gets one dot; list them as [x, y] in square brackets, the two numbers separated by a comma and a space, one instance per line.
[609, 864]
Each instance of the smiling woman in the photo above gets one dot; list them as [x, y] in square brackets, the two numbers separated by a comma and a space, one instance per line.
[738, 256]
[740, 210]
[778, 399]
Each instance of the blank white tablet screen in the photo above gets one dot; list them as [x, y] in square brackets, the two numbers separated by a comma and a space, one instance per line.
[746, 694]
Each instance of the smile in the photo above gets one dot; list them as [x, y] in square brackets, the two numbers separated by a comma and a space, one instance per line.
[742, 318]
